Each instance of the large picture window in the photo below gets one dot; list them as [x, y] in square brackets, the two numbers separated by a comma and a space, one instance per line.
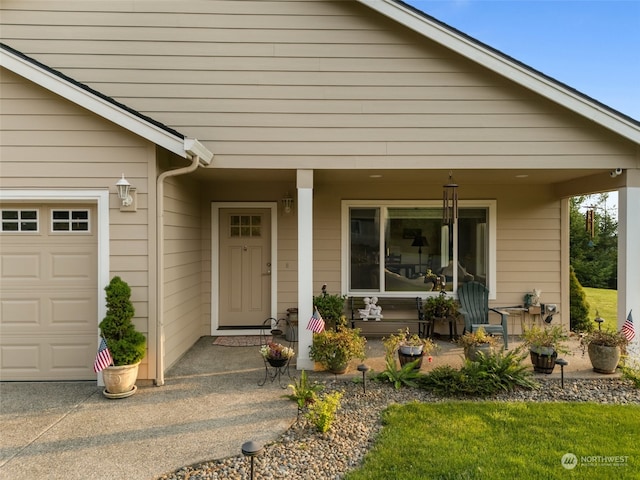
[400, 248]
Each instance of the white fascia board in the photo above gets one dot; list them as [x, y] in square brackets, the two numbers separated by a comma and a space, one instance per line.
[504, 67]
[93, 103]
[194, 148]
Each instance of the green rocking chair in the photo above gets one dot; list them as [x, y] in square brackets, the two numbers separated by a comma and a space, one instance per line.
[474, 302]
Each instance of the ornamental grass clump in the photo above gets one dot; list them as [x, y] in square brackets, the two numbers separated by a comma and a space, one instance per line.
[304, 392]
[487, 375]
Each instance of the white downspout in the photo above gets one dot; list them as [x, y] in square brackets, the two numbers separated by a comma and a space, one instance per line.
[195, 161]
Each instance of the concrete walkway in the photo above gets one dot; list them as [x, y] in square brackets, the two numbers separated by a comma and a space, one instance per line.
[210, 405]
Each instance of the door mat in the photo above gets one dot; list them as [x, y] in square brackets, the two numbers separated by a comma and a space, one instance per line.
[240, 341]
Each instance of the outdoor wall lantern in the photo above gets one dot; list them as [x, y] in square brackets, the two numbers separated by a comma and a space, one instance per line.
[287, 204]
[126, 194]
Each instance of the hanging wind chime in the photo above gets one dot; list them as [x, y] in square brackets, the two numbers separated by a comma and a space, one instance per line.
[590, 222]
[450, 202]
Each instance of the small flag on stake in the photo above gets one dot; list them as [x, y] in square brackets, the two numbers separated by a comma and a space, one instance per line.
[316, 322]
[103, 358]
[627, 328]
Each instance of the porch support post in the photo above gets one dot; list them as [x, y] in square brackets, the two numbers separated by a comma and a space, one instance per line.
[305, 266]
[629, 250]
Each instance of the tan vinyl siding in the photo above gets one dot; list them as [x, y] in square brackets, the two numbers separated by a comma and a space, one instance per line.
[53, 144]
[183, 323]
[317, 84]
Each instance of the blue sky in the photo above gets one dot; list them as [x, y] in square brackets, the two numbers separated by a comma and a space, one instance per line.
[590, 45]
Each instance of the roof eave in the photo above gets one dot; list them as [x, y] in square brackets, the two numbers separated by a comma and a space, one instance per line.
[501, 64]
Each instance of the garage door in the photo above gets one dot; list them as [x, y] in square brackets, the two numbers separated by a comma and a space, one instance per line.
[48, 292]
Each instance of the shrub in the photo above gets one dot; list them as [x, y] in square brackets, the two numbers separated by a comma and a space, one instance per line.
[487, 375]
[322, 412]
[406, 375]
[578, 306]
[334, 349]
[126, 344]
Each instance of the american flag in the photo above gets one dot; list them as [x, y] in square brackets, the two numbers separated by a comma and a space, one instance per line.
[103, 358]
[316, 322]
[627, 328]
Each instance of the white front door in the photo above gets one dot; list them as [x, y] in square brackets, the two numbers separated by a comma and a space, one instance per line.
[244, 267]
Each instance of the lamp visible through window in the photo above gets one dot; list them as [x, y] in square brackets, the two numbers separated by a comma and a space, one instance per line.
[420, 241]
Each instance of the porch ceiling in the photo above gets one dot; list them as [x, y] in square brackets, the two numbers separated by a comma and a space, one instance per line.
[373, 177]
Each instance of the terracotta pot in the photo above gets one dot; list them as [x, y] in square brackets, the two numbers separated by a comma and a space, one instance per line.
[120, 381]
[603, 359]
[338, 369]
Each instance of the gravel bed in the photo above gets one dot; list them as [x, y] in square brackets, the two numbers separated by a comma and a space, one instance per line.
[303, 453]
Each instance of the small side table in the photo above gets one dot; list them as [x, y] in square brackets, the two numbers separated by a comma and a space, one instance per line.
[453, 325]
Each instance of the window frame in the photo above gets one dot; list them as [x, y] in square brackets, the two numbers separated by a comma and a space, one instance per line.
[70, 221]
[489, 204]
[19, 220]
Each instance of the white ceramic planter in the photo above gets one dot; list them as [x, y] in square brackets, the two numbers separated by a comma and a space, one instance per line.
[120, 381]
[411, 350]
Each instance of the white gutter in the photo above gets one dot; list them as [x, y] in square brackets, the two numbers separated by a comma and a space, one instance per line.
[196, 161]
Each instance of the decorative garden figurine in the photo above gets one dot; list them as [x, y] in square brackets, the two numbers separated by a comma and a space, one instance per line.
[366, 311]
[375, 310]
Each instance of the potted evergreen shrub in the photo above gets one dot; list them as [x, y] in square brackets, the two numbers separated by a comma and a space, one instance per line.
[334, 349]
[544, 345]
[604, 348]
[331, 307]
[126, 345]
[475, 342]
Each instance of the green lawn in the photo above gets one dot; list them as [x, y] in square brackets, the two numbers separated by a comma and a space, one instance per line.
[606, 302]
[496, 440]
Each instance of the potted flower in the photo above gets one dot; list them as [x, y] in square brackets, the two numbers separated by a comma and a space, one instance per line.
[604, 348]
[476, 342]
[410, 346]
[440, 306]
[544, 345]
[334, 349]
[126, 345]
[276, 354]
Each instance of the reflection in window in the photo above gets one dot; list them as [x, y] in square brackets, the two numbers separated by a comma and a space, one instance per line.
[417, 248]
